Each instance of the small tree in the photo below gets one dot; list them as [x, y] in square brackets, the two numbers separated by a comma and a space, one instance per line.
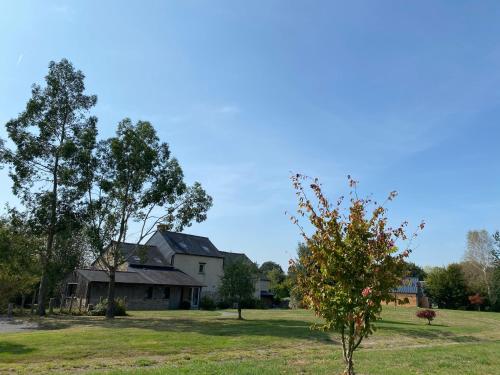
[352, 264]
[238, 283]
[476, 300]
[426, 314]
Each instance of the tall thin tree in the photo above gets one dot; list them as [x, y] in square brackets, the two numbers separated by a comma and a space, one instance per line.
[480, 254]
[52, 139]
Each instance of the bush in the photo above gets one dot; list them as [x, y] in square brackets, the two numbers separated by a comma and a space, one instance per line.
[426, 314]
[100, 308]
[207, 303]
[223, 305]
[185, 305]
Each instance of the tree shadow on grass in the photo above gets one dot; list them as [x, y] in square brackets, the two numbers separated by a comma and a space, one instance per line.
[212, 326]
[384, 321]
[12, 348]
[427, 332]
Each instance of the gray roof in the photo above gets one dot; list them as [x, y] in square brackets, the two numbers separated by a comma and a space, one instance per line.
[183, 243]
[230, 258]
[409, 286]
[170, 276]
[144, 255]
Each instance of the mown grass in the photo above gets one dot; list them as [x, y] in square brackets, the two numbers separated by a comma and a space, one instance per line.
[266, 342]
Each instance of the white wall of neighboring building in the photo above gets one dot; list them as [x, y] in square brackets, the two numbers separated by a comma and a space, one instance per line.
[261, 285]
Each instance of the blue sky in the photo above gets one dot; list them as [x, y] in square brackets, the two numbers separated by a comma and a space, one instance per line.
[402, 95]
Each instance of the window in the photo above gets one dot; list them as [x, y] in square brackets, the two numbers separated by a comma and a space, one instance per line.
[201, 268]
[149, 293]
[166, 293]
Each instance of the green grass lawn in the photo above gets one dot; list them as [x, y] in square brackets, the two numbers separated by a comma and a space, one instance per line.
[266, 342]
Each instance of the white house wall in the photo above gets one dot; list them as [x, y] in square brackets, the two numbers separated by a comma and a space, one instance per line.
[213, 270]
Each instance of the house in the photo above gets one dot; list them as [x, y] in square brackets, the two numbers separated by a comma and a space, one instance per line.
[411, 289]
[146, 280]
[196, 256]
[170, 271]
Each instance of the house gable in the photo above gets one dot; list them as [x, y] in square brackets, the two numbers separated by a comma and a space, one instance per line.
[197, 256]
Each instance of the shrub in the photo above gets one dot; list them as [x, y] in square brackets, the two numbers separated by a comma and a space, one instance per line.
[207, 303]
[100, 308]
[223, 304]
[185, 305]
[426, 314]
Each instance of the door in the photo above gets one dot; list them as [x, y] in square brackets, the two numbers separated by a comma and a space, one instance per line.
[195, 297]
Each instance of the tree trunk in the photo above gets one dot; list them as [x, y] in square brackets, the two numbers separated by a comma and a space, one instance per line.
[349, 369]
[23, 302]
[239, 312]
[33, 299]
[488, 288]
[110, 310]
[42, 291]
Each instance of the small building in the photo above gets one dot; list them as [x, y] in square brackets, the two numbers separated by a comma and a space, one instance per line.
[264, 291]
[411, 289]
[141, 288]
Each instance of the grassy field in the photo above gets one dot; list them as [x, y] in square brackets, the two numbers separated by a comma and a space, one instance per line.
[267, 342]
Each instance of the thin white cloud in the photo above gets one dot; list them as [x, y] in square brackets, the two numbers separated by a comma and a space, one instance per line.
[19, 59]
[61, 8]
[65, 11]
[228, 110]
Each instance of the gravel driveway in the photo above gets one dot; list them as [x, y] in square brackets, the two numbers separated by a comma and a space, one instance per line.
[13, 325]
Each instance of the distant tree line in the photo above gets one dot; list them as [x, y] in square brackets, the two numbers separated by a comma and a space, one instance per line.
[473, 283]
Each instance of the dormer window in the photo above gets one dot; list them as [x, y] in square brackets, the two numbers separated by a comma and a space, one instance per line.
[201, 267]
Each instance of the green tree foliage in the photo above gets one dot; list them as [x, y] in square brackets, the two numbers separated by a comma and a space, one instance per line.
[19, 269]
[447, 287]
[296, 268]
[352, 263]
[133, 178]
[415, 271]
[496, 271]
[279, 281]
[280, 286]
[270, 266]
[496, 288]
[238, 283]
[52, 139]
